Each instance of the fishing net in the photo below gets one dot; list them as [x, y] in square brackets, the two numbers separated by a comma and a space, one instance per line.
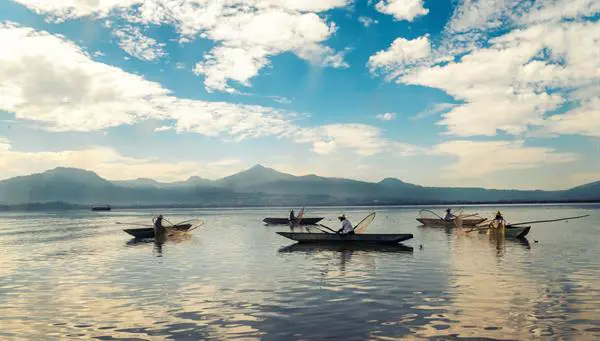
[428, 214]
[186, 225]
[362, 226]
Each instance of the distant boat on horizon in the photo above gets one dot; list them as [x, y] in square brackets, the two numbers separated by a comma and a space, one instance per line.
[101, 208]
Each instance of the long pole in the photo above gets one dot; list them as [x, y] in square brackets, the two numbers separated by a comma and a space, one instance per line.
[548, 221]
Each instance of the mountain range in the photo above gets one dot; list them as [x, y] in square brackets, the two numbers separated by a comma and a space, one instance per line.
[257, 186]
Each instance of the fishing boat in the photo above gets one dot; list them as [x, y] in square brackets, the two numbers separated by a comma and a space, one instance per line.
[286, 221]
[432, 219]
[148, 232]
[438, 222]
[516, 231]
[101, 208]
[379, 238]
[509, 231]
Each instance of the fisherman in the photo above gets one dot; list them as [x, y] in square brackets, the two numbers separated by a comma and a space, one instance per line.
[449, 216]
[346, 225]
[292, 216]
[498, 221]
[159, 229]
[499, 217]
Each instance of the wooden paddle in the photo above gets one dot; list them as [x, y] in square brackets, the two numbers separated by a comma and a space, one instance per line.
[329, 228]
[139, 224]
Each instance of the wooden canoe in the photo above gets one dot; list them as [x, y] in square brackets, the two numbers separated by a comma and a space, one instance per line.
[286, 221]
[444, 223]
[148, 232]
[511, 231]
[306, 237]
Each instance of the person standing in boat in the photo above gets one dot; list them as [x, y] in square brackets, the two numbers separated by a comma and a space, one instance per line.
[292, 217]
[346, 225]
[498, 221]
[159, 230]
[449, 216]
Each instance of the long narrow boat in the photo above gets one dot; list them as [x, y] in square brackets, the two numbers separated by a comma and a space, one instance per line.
[306, 237]
[148, 232]
[285, 221]
[445, 223]
[511, 231]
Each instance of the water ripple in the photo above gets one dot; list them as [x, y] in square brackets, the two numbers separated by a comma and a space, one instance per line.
[77, 275]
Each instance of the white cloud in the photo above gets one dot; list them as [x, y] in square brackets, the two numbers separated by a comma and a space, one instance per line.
[366, 21]
[506, 86]
[280, 99]
[434, 109]
[402, 9]
[474, 15]
[400, 55]
[362, 139]
[4, 144]
[584, 120]
[136, 44]
[477, 159]
[48, 79]
[247, 32]
[163, 128]
[71, 9]
[511, 63]
[108, 163]
[224, 163]
[388, 116]
[53, 82]
[555, 10]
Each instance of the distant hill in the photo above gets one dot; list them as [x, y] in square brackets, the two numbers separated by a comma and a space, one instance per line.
[253, 177]
[258, 185]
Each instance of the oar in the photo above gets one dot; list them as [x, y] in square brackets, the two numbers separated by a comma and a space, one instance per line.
[329, 228]
[548, 221]
[139, 224]
[320, 230]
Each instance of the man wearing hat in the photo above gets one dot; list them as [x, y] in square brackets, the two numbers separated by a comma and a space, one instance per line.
[449, 216]
[346, 225]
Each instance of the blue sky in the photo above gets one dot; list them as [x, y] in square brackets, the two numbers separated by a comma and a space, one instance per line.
[457, 93]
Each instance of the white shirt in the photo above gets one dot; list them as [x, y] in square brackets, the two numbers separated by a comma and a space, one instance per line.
[449, 216]
[346, 226]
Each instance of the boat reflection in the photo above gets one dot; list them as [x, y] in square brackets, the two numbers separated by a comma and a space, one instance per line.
[158, 243]
[337, 247]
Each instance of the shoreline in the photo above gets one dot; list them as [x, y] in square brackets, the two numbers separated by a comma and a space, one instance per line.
[63, 206]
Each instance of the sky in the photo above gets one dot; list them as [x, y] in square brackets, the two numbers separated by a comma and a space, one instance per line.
[497, 93]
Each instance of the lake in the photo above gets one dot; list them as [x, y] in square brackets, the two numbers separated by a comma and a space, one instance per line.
[77, 275]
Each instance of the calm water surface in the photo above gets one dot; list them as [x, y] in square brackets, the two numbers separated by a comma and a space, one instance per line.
[77, 275]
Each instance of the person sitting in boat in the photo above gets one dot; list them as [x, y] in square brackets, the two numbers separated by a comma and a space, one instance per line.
[346, 225]
[449, 216]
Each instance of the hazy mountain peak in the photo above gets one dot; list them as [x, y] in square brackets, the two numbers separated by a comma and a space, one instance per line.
[256, 175]
[194, 178]
[258, 166]
[69, 170]
[392, 181]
